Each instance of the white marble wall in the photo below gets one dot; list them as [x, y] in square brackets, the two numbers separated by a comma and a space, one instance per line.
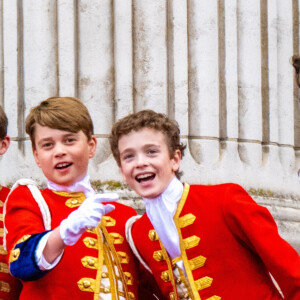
[220, 68]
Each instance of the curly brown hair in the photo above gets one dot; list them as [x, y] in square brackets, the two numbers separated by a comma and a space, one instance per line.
[147, 119]
[3, 124]
[63, 113]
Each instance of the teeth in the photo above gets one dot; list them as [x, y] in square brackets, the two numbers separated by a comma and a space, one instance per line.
[62, 165]
[142, 176]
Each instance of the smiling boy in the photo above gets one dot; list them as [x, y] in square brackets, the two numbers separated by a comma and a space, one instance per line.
[66, 241]
[199, 242]
[10, 287]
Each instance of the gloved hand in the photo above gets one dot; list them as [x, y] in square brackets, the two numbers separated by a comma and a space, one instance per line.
[88, 214]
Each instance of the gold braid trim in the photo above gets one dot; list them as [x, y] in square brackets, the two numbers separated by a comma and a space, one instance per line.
[194, 291]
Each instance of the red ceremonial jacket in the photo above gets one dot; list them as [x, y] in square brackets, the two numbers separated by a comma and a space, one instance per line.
[10, 287]
[100, 255]
[228, 243]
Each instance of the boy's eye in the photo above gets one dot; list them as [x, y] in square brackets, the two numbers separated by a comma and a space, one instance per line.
[46, 145]
[152, 151]
[127, 156]
[70, 140]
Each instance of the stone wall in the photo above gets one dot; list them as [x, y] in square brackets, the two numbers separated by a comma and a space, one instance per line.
[220, 68]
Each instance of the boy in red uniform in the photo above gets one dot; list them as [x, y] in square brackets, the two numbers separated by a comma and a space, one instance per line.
[10, 287]
[199, 242]
[66, 241]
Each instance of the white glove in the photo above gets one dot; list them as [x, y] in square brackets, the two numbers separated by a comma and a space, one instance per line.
[88, 215]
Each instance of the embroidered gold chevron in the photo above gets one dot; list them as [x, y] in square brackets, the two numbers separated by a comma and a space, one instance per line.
[186, 220]
[203, 283]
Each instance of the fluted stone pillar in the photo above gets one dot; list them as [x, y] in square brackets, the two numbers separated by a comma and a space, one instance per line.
[220, 68]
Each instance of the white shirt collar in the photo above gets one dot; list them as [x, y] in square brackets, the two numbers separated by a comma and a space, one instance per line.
[161, 210]
[82, 185]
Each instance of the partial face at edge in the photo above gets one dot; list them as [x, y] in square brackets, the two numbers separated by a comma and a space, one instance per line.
[4, 144]
[146, 165]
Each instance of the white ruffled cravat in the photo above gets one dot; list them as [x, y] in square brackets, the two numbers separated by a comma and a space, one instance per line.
[83, 186]
[161, 210]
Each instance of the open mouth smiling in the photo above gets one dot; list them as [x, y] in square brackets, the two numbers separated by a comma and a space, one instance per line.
[62, 166]
[145, 177]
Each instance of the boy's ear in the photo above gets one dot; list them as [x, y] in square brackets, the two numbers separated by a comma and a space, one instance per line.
[4, 144]
[92, 146]
[176, 160]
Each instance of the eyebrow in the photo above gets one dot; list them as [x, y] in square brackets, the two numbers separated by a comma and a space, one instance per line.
[145, 146]
[50, 138]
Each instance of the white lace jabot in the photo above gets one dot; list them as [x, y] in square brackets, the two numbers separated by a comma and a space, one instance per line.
[82, 185]
[161, 210]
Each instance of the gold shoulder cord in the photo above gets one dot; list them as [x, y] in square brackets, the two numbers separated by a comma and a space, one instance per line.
[109, 242]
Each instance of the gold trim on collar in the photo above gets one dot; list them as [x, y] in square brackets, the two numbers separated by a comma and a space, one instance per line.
[214, 298]
[70, 195]
[75, 199]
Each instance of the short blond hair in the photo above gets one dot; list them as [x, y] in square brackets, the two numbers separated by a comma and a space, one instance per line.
[63, 113]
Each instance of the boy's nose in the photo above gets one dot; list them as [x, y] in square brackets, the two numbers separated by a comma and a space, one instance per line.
[141, 160]
[59, 150]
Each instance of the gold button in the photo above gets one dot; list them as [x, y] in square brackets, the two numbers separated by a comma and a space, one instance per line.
[104, 275]
[153, 235]
[106, 290]
[92, 242]
[178, 280]
[158, 255]
[86, 283]
[165, 276]
[74, 201]
[91, 262]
